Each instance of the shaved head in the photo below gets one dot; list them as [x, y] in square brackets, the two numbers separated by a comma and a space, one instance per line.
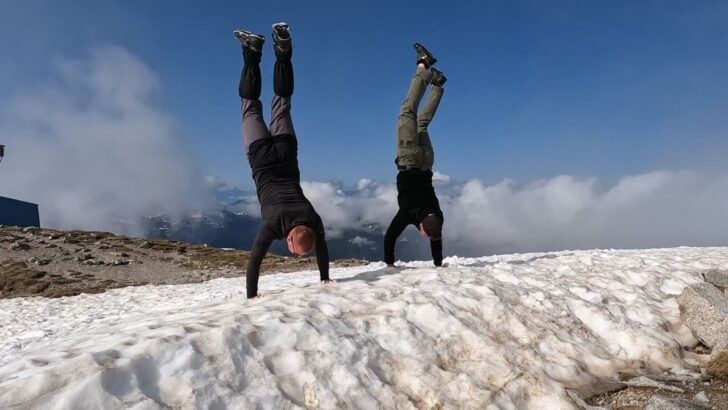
[301, 240]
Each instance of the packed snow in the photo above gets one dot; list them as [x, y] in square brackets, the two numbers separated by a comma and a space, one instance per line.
[505, 332]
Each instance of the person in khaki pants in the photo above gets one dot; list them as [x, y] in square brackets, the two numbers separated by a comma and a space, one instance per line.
[418, 204]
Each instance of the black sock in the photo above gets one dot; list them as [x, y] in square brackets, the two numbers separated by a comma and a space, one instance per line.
[283, 76]
[250, 82]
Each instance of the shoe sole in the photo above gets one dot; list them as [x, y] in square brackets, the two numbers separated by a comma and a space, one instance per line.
[431, 59]
[276, 35]
[245, 35]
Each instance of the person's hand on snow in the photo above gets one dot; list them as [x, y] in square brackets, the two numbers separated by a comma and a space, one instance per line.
[328, 282]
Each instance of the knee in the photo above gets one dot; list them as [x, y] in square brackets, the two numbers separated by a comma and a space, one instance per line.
[407, 115]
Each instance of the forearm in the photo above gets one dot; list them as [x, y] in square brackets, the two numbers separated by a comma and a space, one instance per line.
[436, 247]
[389, 243]
[252, 275]
[322, 257]
[257, 253]
[399, 223]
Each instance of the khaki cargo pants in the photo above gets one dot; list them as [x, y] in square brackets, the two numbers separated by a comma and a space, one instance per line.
[414, 149]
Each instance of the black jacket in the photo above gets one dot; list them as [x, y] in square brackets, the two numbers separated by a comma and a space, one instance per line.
[274, 162]
[417, 199]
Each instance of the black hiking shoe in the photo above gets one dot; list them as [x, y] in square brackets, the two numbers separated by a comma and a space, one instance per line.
[281, 38]
[250, 40]
[437, 77]
[424, 56]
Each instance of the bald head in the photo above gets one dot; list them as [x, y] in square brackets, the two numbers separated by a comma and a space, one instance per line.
[301, 240]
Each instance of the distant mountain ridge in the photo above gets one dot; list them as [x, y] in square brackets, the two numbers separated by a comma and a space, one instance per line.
[223, 228]
[234, 220]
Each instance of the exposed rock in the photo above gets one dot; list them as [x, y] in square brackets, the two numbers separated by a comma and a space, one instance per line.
[119, 262]
[719, 348]
[84, 257]
[40, 261]
[701, 396]
[717, 277]
[350, 262]
[679, 378]
[579, 400]
[718, 364]
[704, 310]
[643, 381]
[20, 246]
[665, 403]
[145, 245]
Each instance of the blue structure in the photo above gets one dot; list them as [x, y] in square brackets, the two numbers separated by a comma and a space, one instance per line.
[18, 213]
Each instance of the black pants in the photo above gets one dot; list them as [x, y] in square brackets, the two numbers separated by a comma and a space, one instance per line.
[254, 127]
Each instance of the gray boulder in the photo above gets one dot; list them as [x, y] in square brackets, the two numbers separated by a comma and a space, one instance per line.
[643, 381]
[581, 403]
[717, 277]
[19, 246]
[665, 403]
[719, 348]
[704, 310]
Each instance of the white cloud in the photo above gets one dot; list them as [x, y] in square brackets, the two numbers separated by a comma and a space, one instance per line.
[440, 178]
[93, 149]
[216, 183]
[664, 208]
[364, 183]
[357, 210]
[361, 241]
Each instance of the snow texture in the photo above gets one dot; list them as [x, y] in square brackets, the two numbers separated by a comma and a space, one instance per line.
[505, 332]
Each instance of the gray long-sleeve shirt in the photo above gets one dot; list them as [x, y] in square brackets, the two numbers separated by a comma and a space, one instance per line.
[282, 203]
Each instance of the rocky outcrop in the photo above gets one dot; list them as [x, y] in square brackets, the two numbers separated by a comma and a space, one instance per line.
[717, 277]
[658, 402]
[704, 310]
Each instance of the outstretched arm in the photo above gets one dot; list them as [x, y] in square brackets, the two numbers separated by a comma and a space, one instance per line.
[260, 248]
[322, 256]
[399, 223]
[436, 247]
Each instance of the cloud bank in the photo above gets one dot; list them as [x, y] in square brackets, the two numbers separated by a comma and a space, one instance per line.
[663, 208]
[93, 149]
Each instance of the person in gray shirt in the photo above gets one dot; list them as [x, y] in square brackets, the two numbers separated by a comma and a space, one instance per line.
[273, 157]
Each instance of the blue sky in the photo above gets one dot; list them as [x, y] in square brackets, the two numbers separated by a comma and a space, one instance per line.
[535, 89]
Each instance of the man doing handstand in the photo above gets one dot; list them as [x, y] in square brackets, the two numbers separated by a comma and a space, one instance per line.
[273, 156]
[418, 204]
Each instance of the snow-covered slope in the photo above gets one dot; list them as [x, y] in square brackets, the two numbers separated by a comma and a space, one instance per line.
[500, 332]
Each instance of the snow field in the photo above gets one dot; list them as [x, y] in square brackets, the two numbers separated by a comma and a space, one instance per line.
[496, 332]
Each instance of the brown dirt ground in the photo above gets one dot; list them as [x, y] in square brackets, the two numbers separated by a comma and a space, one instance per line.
[51, 263]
